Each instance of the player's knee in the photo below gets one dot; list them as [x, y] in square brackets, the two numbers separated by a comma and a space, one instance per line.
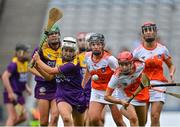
[155, 117]
[94, 119]
[54, 119]
[67, 119]
[55, 116]
[12, 118]
[133, 120]
[44, 121]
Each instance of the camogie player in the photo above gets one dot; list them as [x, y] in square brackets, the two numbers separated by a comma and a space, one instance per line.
[127, 79]
[100, 67]
[45, 90]
[83, 46]
[154, 55]
[82, 49]
[15, 79]
[70, 97]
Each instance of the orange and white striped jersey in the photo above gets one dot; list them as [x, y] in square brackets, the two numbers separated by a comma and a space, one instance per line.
[129, 83]
[104, 68]
[154, 59]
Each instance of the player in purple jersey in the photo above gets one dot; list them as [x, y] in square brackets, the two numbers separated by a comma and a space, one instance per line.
[70, 97]
[82, 49]
[45, 90]
[15, 79]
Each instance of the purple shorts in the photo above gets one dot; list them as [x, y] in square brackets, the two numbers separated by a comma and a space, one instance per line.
[80, 108]
[45, 90]
[20, 98]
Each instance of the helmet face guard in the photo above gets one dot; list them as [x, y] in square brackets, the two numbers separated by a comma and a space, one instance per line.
[125, 60]
[126, 67]
[22, 52]
[150, 27]
[96, 38]
[69, 48]
[53, 36]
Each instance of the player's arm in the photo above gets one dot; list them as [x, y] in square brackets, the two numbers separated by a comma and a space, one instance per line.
[6, 82]
[43, 66]
[5, 78]
[113, 83]
[28, 89]
[171, 68]
[34, 71]
[43, 73]
[86, 78]
[108, 97]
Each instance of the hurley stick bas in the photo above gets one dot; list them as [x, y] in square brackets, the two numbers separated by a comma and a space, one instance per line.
[177, 95]
[145, 80]
[54, 15]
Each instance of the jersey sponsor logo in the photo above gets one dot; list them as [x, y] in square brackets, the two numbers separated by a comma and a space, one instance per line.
[51, 63]
[23, 77]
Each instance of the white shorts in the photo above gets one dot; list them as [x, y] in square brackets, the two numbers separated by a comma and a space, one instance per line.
[120, 94]
[98, 96]
[155, 95]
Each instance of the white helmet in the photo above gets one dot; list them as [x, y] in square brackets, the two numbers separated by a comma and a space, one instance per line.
[69, 42]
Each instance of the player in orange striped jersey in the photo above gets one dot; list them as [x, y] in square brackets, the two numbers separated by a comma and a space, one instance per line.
[154, 54]
[100, 67]
[127, 79]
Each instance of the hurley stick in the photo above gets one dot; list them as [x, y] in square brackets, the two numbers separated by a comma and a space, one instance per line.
[177, 95]
[54, 15]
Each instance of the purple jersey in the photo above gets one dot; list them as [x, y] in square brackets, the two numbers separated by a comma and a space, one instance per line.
[49, 62]
[46, 89]
[69, 87]
[18, 79]
[87, 88]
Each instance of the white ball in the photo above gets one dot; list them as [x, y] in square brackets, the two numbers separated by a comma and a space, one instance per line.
[95, 77]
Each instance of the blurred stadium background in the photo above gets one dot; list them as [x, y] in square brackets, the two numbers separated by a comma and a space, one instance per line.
[118, 20]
